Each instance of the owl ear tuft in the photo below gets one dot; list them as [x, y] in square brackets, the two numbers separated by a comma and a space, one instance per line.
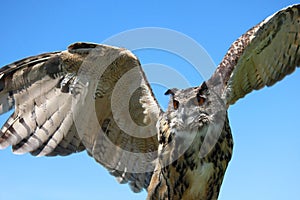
[171, 92]
[203, 88]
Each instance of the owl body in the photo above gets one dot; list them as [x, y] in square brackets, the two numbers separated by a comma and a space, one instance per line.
[191, 176]
[194, 149]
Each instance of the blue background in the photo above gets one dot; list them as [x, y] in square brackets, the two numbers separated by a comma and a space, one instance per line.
[266, 157]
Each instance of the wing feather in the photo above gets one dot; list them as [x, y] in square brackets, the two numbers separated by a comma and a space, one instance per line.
[40, 107]
[262, 56]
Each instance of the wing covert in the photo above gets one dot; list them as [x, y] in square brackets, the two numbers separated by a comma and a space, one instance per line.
[119, 130]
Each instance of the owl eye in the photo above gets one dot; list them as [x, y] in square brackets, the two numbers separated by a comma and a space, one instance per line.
[200, 99]
[175, 104]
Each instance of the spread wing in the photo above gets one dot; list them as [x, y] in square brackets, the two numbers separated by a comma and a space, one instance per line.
[90, 97]
[262, 56]
[41, 123]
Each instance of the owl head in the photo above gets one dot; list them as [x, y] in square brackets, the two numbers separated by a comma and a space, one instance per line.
[196, 113]
[189, 109]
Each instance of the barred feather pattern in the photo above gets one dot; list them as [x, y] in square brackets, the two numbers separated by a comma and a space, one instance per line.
[41, 120]
[47, 121]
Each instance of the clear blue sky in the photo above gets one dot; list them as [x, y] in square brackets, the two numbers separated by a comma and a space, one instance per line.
[266, 159]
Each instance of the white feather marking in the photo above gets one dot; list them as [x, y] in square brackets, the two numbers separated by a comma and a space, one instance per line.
[61, 132]
[50, 127]
[52, 102]
[32, 92]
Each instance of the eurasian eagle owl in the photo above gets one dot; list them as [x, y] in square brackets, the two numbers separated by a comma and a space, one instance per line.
[96, 98]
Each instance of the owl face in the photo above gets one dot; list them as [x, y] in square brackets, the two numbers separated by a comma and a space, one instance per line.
[194, 115]
[187, 110]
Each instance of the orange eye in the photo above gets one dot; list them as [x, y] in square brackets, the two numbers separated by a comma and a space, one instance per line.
[175, 104]
[201, 100]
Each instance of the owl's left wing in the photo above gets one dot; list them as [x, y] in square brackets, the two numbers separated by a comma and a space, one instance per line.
[261, 57]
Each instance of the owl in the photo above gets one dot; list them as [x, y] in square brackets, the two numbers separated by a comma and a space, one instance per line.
[96, 98]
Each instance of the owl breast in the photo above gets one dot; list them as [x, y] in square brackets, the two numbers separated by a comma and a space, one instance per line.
[191, 163]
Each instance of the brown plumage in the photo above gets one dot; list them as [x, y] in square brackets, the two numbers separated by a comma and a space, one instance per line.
[96, 98]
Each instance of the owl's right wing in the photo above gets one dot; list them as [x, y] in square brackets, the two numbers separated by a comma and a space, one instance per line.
[90, 97]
